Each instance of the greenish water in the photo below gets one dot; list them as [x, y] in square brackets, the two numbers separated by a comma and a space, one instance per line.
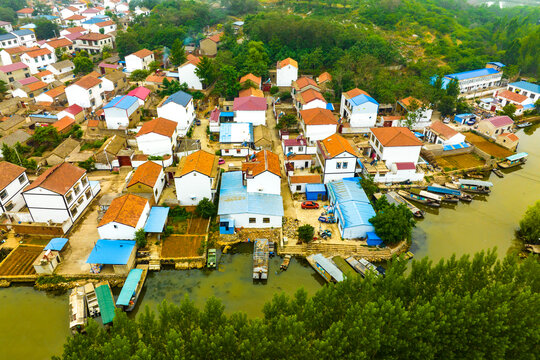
[34, 325]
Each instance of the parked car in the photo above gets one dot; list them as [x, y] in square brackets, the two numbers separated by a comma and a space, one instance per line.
[221, 161]
[310, 205]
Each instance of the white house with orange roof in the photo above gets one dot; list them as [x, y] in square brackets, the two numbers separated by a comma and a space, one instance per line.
[359, 109]
[255, 80]
[262, 173]
[13, 180]
[186, 73]
[439, 133]
[60, 44]
[157, 137]
[421, 111]
[37, 59]
[336, 157]
[197, 178]
[87, 92]
[139, 60]
[209, 46]
[318, 124]
[126, 214]
[520, 101]
[286, 72]
[107, 26]
[68, 12]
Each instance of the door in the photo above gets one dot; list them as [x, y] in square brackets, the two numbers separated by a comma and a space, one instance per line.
[307, 164]
[387, 124]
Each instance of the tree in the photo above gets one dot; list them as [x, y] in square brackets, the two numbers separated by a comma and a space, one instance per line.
[206, 208]
[227, 84]
[369, 186]
[140, 238]
[206, 71]
[178, 53]
[287, 121]
[7, 14]
[138, 75]
[254, 59]
[509, 110]
[306, 232]
[126, 43]
[46, 29]
[153, 66]
[447, 105]
[83, 65]
[88, 165]
[274, 90]
[413, 114]
[46, 136]
[392, 223]
[3, 89]
[529, 226]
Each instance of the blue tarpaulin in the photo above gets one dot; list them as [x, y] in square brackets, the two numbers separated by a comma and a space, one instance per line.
[517, 156]
[226, 114]
[111, 252]
[56, 244]
[315, 192]
[156, 219]
[130, 285]
[373, 239]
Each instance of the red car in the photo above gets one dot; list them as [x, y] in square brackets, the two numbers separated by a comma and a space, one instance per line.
[310, 205]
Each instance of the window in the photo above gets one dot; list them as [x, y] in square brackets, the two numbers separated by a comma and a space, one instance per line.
[69, 197]
[115, 226]
[3, 194]
[266, 220]
[238, 151]
[84, 181]
[88, 194]
[9, 206]
[80, 200]
[252, 220]
[155, 192]
[300, 148]
[298, 187]
[345, 164]
[338, 165]
[22, 178]
[77, 189]
[74, 211]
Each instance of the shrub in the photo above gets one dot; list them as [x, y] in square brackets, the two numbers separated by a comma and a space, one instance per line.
[306, 232]
[140, 238]
[274, 90]
[206, 208]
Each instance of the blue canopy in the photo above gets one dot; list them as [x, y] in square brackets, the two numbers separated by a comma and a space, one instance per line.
[315, 188]
[373, 239]
[56, 244]
[330, 107]
[517, 156]
[226, 114]
[443, 190]
[156, 219]
[130, 285]
[111, 252]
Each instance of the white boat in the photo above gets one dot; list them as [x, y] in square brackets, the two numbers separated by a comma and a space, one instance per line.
[77, 310]
[91, 300]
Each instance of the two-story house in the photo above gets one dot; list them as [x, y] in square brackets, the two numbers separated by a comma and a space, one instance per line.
[62, 70]
[105, 27]
[37, 59]
[122, 112]
[197, 178]
[6, 25]
[317, 124]
[250, 110]
[8, 41]
[61, 193]
[262, 173]
[310, 99]
[359, 109]
[336, 157]
[125, 215]
[439, 133]
[521, 102]
[25, 37]
[25, 13]
[286, 72]
[179, 108]
[14, 72]
[87, 92]
[157, 137]
[187, 74]
[94, 43]
[13, 180]
[394, 145]
[495, 126]
[139, 60]
[62, 45]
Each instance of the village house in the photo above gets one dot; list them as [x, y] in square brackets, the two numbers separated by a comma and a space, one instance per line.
[114, 82]
[251, 81]
[68, 32]
[14, 72]
[157, 137]
[12, 55]
[15, 136]
[421, 111]
[298, 161]
[8, 41]
[55, 96]
[62, 45]
[64, 125]
[297, 145]
[101, 26]
[62, 151]
[262, 173]
[30, 90]
[250, 110]
[139, 60]
[46, 76]
[148, 178]
[61, 193]
[106, 155]
[37, 59]
[197, 178]
[439, 133]
[94, 43]
[187, 74]
[25, 13]
[317, 124]
[75, 20]
[13, 180]
[302, 84]
[495, 126]
[74, 111]
[209, 46]
[25, 37]
[391, 120]
[324, 79]
[521, 102]
[336, 157]
[286, 72]
[10, 124]
[126, 214]
[359, 109]
[62, 70]
[68, 12]
[93, 13]
[310, 99]
[476, 80]
[236, 139]
[251, 92]
[141, 93]
[122, 112]
[526, 88]
[6, 26]
[262, 138]
[86, 92]
[297, 183]
[179, 108]
[508, 140]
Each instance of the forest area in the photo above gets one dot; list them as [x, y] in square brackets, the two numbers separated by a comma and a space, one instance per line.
[421, 313]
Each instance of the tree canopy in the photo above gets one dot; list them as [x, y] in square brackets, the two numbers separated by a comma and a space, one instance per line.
[392, 223]
[529, 226]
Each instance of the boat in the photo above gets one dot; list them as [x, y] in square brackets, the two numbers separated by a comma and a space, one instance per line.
[514, 160]
[475, 175]
[362, 266]
[408, 255]
[77, 310]
[260, 259]
[132, 288]
[524, 125]
[106, 302]
[497, 172]
[475, 186]
[271, 248]
[211, 260]
[91, 300]
[328, 270]
[394, 198]
[422, 197]
[448, 195]
[285, 264]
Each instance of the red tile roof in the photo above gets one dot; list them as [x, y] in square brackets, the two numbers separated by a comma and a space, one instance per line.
[324, 77]
[409, 100]
[143, 53]
[75, 17]
[13, 67]
[126, 209]
[443, 130]
[318, 116]
[58, 43]
[39, 52]
[335, 145]
[304, 81]
[94, 37]
[287, 61]
[147, 174]
[25, 11]
[58, 179]
[255, 79]
[88, 82]
[93, 123]
[105, 23]
[500, 121]
[305, 179]
[64, 123]
[192, 59]
[216, 37]
[159, 126]
[57, 91]
[355, 92]
[310, 95]
[512, 96]
[510, 136]
[251, 92]
[263, 161]
[140, 92]
[249, 103]
[73, 109]
[36, 85]
[395, 136]
[8, 173]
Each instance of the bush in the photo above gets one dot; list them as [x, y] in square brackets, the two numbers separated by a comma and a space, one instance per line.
[206, 208]
[286, 95]
[178, 214]
[392, 223]
[140, 238]
[529, 226]
[274, 90]
[306, 232]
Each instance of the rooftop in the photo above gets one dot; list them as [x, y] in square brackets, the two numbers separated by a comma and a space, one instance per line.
[63, 123]
[13, 67]
[111, 252]
[9, 172]
[305, 81]
[235, 133]
[535, 88]
[512, 96]
[200, 161]
[335, 145]
[324, 77]
[472, 74]
[251, 92]
[58, 179]
[443, 130]
[121, 102]
[287, 61]
[147, 174]
[159, 126]
[318, 116]
[255, 79]
[249, 104]
[143, 53]
[395, 136]
[126, 209]
[140, 92]
[179, 97]
[500, 121]
[310, 95]
[305, 179]
[262, 161]
[88, 82]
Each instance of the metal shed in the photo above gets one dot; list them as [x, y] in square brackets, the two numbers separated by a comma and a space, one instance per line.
[316, 192]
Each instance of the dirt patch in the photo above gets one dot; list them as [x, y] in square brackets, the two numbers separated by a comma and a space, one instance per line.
[182, 246]
[462, 161]
[243, 235]
[197, 226]
[487, 146]
[20, 260]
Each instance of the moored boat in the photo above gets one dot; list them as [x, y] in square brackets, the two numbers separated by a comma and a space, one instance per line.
[475, 186]
[328, 270]
[362, 266]
[448, 195]
[394, 198]
[211, 260]
[514, 160]
[497, 172]
[132, 289]
[422, 197]
[91, 300]
[524, 125]
[77, 310]
[260, 259]
[286, 261]
[106, 302]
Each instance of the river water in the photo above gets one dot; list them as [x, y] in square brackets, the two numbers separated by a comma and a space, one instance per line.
[34, 325]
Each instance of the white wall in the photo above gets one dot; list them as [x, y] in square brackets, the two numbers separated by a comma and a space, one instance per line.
[179, 114]
[317, 103]
[363, 115]
[242, 220]
[186, 74]
[192, 188]
[396, 154]
[319, 132]
[340, 167]
[38, 61]
[244, 151]
[13, 194]
[82, 97]
[286, 75]
[478, 83]
[254, 117]
[266, 182]
[118, 231]
[156, 145]
[116, 117]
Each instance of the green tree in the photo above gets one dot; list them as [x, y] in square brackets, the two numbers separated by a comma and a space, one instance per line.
[3, 89]
[413, 114]
[447, 105]
[392, 223]
[287, 121]
[369, 185]
[88, 165]
[7, 14]
[509, 110]
[274, 90]
[139, 75]
[153, 66]
[140, 238]
[206, 71]
[306, 233]
[178, 53]
[127, 43]
[206, 208]
[46, 136]
[529, 226]
[227, 84]
[254, 59]
[46, 29]
[83, 65]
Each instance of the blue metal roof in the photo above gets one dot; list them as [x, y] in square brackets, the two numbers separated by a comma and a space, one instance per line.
[226, 114]
[46, 16]
[111, 252]
[316, 188]
[130, 285]
[528, 106]
[362, 99]
[44, 116]
[121, 102]
[156, 219]
[329, 267]
[443, 190]
[56, 244]
[355, 213]
[472, 74]
[94, 20]
[525, 85]
[231, 133]
[347, 189]
[234, 198]
[23, 32]
[180, 98]
[517, 156]
[330, 106]
[496, 63]
[7, 37]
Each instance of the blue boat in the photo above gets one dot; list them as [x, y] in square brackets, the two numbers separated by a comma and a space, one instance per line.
[132, 288]
[514, 160]
[448, 195]
[475, 186]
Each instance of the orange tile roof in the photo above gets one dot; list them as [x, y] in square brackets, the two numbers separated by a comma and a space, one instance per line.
[216, 37]
[20, 49]
[36, 85]
[199, 161]
[43, 73]
[336, 144]
[443, 130]
[38, 52]
[93, 123]
[354, 93]
[75, 17]
[512, 96]
[299, 157]
[58, 43]
[58, 179]
[126, 209]
[143, 53]
[305, 179]
[105, 23]
[318, 116]
[395, 136]
[94, 37]
[63, 123]
[324, 77]
[192, 59]
[87, 82]
[159, 126]
[9, 172]
[76, 29]
[309, 95]
[263, 161]
[25, 11]
[255, 79]
[510, 136]
[147, 174]
[57, 91]
[304, 81]
[392, 117]
[409, 100]
[251, 92]
[287, 61]
[158, 78]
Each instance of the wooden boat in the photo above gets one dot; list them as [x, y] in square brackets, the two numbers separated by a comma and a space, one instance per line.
[91, 300]
[514, 160]
[285, 264]
[132, 288]
[362, 266]
[524, 125]
[328, 270]
[497, 172]
[448, 195]
[422, 197]
[106, 302]
[211, 260]
[408, 255]
[77, 310]
[271, 249]
[394, 198]
[260, 259]
[475, 186]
